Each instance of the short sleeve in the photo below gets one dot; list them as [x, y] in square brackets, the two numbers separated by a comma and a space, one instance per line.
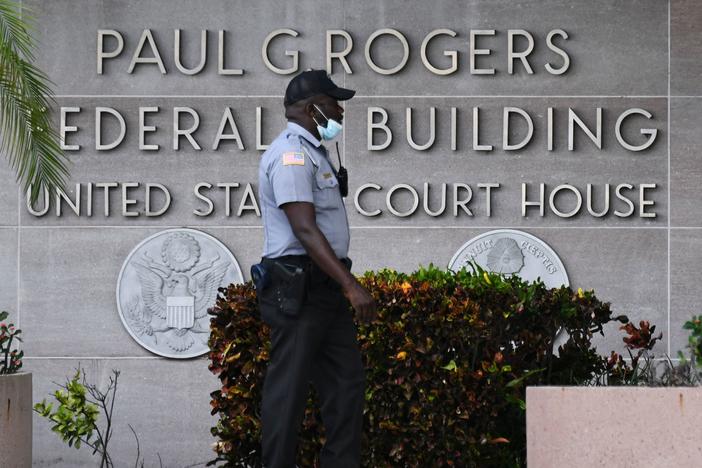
[292, 176]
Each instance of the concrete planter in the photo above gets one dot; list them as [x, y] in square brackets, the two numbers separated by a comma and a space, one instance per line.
[16, 420]
[616, 427]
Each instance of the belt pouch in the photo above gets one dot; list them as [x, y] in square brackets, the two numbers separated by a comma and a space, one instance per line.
[291, 287]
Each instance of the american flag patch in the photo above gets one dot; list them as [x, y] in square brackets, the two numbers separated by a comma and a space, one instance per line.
[293, 159]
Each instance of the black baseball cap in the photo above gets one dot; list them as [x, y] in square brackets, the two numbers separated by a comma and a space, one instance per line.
[311, 83]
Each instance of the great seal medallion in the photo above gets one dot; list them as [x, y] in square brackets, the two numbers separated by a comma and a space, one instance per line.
[513, 252]
[166, 285]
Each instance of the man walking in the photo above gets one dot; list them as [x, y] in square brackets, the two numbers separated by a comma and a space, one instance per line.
[309, 286]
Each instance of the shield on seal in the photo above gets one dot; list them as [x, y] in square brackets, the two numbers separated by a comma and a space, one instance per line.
[180, 311]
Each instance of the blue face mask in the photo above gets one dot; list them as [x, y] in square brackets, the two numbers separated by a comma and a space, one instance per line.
[332, 129]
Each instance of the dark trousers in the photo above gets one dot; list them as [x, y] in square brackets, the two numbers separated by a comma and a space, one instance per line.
[318, 346]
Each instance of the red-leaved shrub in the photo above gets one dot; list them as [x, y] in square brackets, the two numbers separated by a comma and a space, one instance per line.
[447, 363]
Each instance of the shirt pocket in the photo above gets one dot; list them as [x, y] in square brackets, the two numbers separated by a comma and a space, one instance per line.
[326, 190]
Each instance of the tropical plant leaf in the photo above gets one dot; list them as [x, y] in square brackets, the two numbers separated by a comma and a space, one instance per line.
[27, 136]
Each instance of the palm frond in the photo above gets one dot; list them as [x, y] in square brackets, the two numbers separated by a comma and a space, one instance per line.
[28, 137]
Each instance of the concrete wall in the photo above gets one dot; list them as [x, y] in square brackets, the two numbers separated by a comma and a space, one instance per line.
[594, 416]
[60, 273]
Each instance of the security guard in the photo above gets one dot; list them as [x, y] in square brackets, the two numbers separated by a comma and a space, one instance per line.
[304, 281]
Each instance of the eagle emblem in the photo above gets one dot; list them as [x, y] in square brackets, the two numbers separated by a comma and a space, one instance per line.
[174, 292]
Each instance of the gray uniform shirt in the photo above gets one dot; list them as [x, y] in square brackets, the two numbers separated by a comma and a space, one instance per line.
[296, 168]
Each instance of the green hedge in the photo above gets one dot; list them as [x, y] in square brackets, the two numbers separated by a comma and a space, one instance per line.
[447, 363]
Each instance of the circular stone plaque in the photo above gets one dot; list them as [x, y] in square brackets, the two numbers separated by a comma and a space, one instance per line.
[513, 252]
[165, 287]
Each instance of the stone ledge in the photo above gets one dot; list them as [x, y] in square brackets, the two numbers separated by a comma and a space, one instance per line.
[615, 427]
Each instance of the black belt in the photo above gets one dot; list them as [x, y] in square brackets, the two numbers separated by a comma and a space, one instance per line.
[303, 261]
[297, 260]
[314, 273]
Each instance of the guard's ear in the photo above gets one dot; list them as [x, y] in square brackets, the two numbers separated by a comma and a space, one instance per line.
[310, 109]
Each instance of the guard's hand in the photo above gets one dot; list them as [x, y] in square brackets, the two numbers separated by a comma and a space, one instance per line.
[361, 301]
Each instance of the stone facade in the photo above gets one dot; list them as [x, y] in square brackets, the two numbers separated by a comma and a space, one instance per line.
[60, 272]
